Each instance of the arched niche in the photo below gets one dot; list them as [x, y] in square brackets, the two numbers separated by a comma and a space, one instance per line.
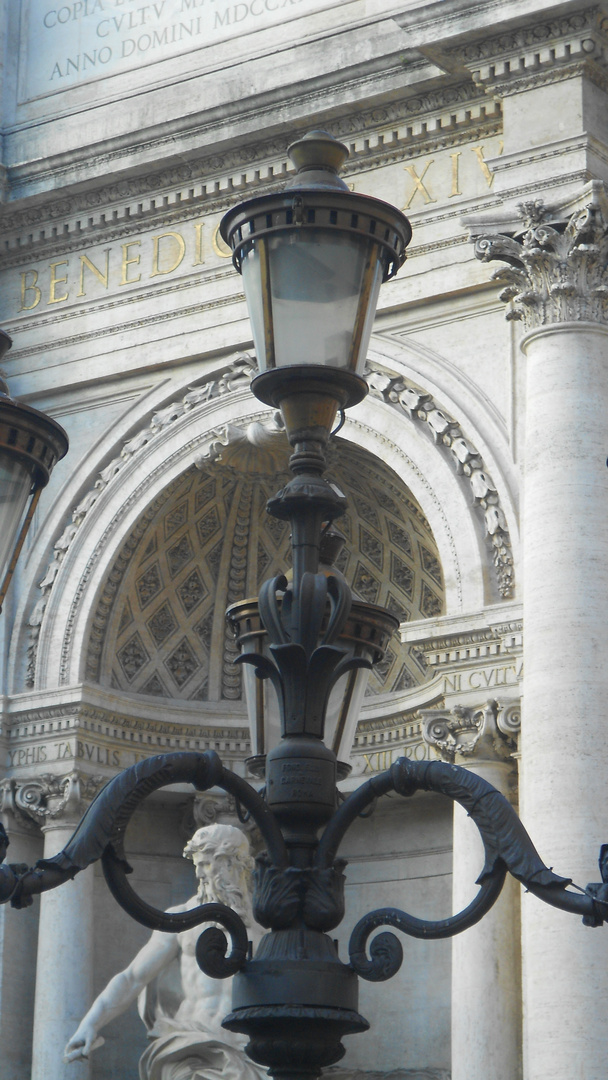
[147, 479]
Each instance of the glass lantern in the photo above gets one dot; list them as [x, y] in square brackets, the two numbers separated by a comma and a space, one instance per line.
[30, 445]
[366, 634]
[313, 257]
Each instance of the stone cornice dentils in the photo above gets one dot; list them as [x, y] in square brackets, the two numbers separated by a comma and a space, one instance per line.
[390, 131]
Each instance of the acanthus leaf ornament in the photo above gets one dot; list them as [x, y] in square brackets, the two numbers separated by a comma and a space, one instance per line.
[557, 265]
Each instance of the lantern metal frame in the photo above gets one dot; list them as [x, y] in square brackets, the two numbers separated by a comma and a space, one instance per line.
[38, 442]
[316, 199]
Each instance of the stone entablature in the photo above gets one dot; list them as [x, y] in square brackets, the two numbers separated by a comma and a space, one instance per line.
[206, 185]
[95, 737]
[86, 732]
[474, 654]
[546, 50]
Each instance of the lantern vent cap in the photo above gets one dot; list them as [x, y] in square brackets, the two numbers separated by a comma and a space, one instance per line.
[318, 158]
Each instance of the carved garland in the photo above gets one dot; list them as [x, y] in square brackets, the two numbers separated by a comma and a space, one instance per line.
[447, 433]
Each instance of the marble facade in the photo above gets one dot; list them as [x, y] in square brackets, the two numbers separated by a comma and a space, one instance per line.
[475, 471]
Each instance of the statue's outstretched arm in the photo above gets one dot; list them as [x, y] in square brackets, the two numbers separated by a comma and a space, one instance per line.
[123, 989]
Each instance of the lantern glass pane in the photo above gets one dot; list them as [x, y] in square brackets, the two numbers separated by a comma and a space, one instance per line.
[322, 290]
[15, 490]
[343, 711]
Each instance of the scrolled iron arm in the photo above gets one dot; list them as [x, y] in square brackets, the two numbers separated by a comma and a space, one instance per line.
[100, 835]
[506, 843]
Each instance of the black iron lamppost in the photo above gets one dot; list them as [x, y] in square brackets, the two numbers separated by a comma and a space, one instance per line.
[312, 258]
[30, 445]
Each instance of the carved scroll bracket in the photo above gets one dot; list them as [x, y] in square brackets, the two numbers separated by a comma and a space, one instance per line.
[45, 799]
[487, 733]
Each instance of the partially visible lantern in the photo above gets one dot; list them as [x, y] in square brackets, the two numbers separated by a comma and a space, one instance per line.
[366, 634]
[30, 445]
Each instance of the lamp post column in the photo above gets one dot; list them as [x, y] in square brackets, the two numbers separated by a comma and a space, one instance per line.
[64, 980]
[486, 963]
[557, 284]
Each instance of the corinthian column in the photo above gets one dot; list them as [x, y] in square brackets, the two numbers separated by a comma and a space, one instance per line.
[486, 977]
[557, 284]
[64, 970]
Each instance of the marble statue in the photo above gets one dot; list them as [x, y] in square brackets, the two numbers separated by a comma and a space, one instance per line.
[181, 1007]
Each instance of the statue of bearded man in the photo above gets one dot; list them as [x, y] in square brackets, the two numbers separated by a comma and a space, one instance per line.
[187, 1041]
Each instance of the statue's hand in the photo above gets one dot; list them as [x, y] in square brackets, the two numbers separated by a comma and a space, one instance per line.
[82, 1043]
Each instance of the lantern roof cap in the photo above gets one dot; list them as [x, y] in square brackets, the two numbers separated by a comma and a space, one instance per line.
[318, 158]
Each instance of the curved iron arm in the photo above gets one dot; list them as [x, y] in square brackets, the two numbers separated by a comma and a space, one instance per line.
[106, 819]
[506, 843]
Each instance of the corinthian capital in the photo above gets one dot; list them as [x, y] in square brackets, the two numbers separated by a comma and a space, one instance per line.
[488, 733]
[557, 269]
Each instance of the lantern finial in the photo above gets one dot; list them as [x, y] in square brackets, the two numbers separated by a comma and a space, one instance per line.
[318, 158]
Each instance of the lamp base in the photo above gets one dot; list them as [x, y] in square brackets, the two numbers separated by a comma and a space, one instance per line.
[309, 398]
[295, 1001]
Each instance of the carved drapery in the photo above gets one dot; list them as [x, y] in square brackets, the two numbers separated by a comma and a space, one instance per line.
[557, 267]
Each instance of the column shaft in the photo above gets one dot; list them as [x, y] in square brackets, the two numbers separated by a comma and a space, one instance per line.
[486, 970]
[64, 969]
[18, 944]
[564, 794]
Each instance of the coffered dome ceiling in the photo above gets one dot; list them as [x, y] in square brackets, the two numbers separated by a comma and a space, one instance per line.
[160, 627]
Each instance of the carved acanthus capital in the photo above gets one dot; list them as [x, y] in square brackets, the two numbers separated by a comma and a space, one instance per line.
[488, 733]
[47, 798]
[557, 269]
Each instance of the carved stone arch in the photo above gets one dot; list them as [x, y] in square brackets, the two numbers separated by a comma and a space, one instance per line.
[141, 482]
[391, 558]
[60, 519]
[150, 466]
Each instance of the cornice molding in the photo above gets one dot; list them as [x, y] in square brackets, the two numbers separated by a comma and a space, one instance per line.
[545, 50]
[430, 119]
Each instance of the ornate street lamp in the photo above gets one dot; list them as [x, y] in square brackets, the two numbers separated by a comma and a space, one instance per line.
[312, 259]
[30, 445]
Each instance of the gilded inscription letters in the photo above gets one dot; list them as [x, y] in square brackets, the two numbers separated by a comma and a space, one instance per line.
[119, 265]
[483, 678]
[447, 176]
[74, 748]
